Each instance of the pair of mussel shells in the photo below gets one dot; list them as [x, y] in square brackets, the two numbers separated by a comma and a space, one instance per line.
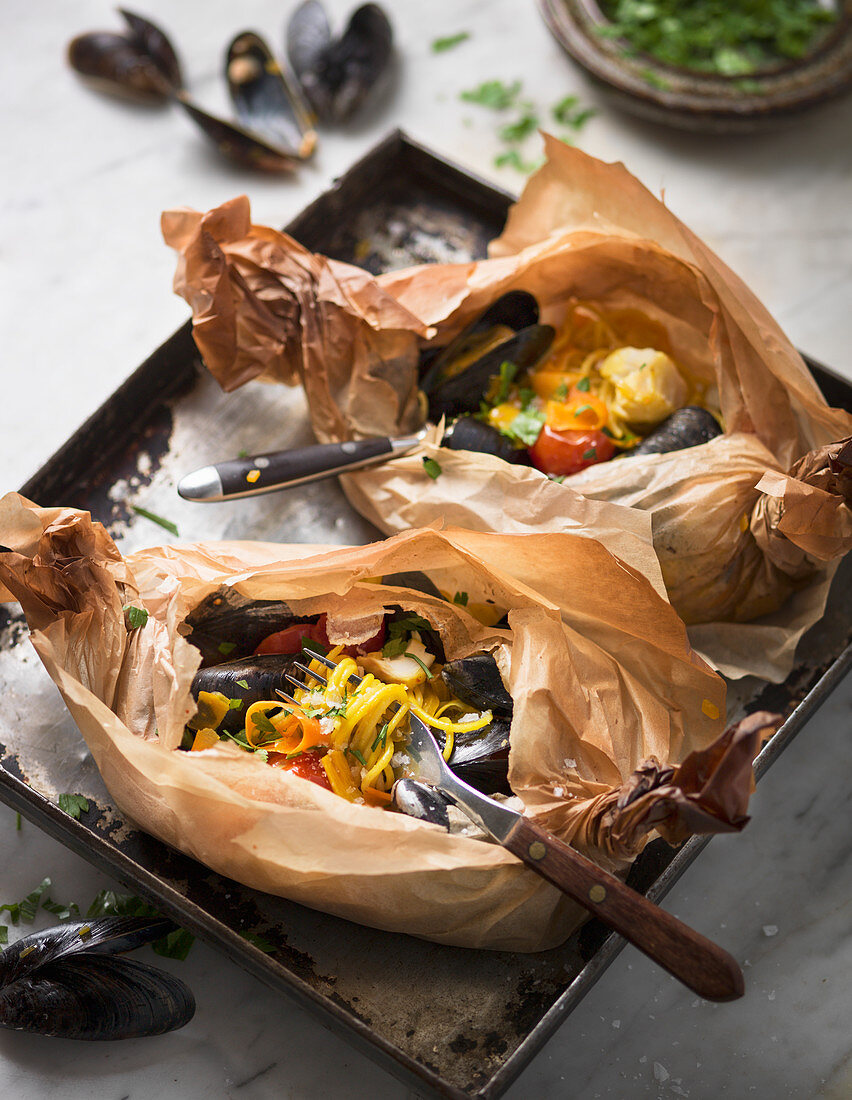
[457, 378]
[276, 107]
[73, 982]
[227, 620]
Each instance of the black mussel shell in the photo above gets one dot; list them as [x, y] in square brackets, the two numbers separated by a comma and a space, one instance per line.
[476, 680]
[266, 100]
[688, 427]
[470, 434]
[338, 74]
[111, 63]
[415, 580]
[226, 625]
[419, 800]
[462, 393]
[515, 310]
[102, 936]
[239, 145]
[140, 64]
[265, 676]
[96, 997]
[155, 43]
[481, 758]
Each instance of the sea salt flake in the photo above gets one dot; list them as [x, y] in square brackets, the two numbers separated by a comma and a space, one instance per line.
[660, 1073]
[644, 1059]
[770, 929]
[558, 792]
[616, 1023]
[772, 995]
[569, 763]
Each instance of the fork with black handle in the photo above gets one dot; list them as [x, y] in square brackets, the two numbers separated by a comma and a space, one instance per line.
[699, 963]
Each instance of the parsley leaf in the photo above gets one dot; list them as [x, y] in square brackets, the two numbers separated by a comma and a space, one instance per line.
[441, 45]
[494, 94]
[174, 945]
[591, 453]
[243, 684]
[507, 374]
[460, 598]
[394, 647]
[432, 468]
[30, 904]
[72, 804]
[520, 129]
[167, 523]
[262, 723]
[109, 903]
[136, 616]
[526, 426]
[4, 933]
[512, 159]
[226, 647]
[235, 704]
[583, 385]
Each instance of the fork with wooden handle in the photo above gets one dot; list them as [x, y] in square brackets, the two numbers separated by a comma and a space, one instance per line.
[699, 963]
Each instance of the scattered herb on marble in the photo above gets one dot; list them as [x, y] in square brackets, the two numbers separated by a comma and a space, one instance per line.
[167, 523]
[109, 903]
[520, 129]
[73, 804]
[136, 616]
[729, 37]
[441, 45]
[259, 942]
[494, 94]
[512, 159]
[18, 822]
[432, 468]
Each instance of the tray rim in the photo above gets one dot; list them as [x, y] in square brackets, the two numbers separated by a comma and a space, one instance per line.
[101, 853]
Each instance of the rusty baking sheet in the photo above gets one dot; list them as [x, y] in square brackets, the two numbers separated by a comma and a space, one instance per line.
[449, 1021]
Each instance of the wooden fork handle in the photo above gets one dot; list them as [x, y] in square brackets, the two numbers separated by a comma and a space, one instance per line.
[693, 959]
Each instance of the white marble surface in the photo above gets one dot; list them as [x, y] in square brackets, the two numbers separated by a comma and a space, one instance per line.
[86, 297]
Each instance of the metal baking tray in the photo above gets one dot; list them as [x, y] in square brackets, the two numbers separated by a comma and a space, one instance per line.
[448, 1021]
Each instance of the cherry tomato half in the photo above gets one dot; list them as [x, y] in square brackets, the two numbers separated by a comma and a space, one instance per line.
[308, 766]
[561, 453]
[290, 639]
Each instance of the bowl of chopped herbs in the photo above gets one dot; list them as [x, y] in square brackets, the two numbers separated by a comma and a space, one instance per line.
[716, 65]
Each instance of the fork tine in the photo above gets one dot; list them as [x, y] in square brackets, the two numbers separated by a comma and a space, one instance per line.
[307, 672]
[286, 697]
[323, 660]
[299, 684]
[329, 664]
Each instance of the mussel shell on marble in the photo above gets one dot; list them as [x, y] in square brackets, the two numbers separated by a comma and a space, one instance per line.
[140, 64]
[687, 427]
[476, 680]
[227, 625]
[247, 149]
[338, 74]
[265, 676]
[267, 101]
[95, 997]
[463, 392]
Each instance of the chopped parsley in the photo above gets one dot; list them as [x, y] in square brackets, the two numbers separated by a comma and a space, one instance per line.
[262, 723]
[432, 468]
[73, 804]
[494, 94]
[583, 385]
[460, 598]
[243, 684]
[235, 704]
[394, 647]
[581, 409]
[18, 822]
[526, 426]
[449, 42]
[243, 453]
[381, 738]
[225, 648]
[512, 159]
[359, 756]
[590, 454]
[520, 129]
[414, 657]
[507, 374]
[561, 391]
[109, 903]
[167, 523]
[136, 617]
[259, 942]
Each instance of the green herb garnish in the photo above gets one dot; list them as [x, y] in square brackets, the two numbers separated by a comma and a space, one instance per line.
[242, 453]
[262, 723]
[4, 933]
[259, 942]
[61, 912]
[512, 159]
[108, 903]
[526, 426]
[72, 804]
[432, 468]
[18, 822]
[425, 668]
[381, 737]
[583, 385]
[494, 94]
[359, 757]
[441, 45]
[243, 684]
[460, 598]
[591, 453]
[167, 523]
[561, 391]
[581, 409]
[29, 906]
[235, 704]
[313, 646]
[520, 129]
[136, 616]
[393, 647]
[226, 647]
[507, 374]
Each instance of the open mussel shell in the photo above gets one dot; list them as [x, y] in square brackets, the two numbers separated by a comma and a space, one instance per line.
[476, 680]
[267, 100]
[511, 312]
[247, 149]
[481, 757]
[338, 74]
[96, 998]
[227, 625]
[688, 427]
[250, 680]
[140, 64]
[67, 981]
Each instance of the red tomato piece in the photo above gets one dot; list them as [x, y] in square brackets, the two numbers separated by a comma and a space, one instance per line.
[289, 640]
[562, 453]
[307, 766]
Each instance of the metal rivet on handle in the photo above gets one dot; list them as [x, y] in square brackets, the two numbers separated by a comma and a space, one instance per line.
[537, 850]
[597, 892]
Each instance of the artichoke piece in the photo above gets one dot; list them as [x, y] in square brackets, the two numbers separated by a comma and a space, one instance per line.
[267, 101]
[338, 74]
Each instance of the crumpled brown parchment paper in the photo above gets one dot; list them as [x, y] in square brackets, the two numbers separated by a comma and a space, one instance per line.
[582, 230]
[612, 708]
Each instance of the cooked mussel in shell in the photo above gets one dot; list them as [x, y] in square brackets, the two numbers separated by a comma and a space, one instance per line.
[140, 64]
[70, 982]
[476, 680]
[226, 625]
[688, 427]
[338, 74]
[242, 682]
